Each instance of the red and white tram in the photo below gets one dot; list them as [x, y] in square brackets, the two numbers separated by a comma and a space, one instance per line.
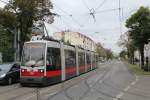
[50, 62]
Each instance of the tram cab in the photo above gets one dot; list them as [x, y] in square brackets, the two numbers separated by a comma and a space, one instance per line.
[41, 62]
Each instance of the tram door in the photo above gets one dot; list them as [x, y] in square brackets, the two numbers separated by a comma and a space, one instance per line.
[53, 65]
[81, 57]
[70, 63]
[88, 57]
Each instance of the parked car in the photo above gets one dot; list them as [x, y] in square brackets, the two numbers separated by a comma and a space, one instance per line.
[9, 73]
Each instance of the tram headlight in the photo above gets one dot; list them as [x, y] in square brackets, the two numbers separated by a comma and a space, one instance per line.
[23, 70]
[42, 70]
[3, 75]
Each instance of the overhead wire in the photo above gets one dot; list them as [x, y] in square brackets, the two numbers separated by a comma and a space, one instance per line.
[85, 4]
[107, 10]
[91, 11]
[66, 24]
[70, 15]
[120, 21]
[101, 4]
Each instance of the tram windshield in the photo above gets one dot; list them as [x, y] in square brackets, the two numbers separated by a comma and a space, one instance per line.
[33, 54]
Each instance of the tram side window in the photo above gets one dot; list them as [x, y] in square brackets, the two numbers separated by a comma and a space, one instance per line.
[81, 58]
[97, 58]
[93, 59]
[88, 58]
[53, 59]
[70, 58]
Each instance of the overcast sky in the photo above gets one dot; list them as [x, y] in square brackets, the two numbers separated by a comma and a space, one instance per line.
[106, 28]
[74, 15]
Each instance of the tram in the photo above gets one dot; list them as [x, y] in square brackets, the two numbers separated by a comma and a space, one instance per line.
[50, 62]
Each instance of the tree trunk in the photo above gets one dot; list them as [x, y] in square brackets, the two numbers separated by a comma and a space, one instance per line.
[133, 58]
[142, 57]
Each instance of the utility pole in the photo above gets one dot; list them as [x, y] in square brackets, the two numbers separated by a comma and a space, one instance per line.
[18, 45]
[15, 45]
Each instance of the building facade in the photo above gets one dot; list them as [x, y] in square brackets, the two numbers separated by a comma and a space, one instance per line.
[77, 39]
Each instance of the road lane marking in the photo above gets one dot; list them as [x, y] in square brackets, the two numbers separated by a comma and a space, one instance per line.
[29, 97]
[51, 94]
[133, 83]
[127, 88]
[34, 95]
[119, 96]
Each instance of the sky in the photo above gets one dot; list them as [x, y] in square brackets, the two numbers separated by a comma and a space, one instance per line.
[105, 28]
[107, 25]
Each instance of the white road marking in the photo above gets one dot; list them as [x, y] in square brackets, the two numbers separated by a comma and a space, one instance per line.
[115, 99]
[137, 78]
[51, 94]
[118, 96]
[133, 83]
[36, 95]
[127, 88]
[29, 97]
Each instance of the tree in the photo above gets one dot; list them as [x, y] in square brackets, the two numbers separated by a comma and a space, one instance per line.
[20, 16]
[139, 25]
[104, 52]
[100, 50]
[7, 23]
[128, 44]
[109, 54]
[6, 46]
[123, 54]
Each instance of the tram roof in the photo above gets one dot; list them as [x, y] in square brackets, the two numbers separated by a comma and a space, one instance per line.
[46, 41]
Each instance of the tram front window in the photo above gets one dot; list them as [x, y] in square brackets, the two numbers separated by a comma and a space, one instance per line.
[33, 54]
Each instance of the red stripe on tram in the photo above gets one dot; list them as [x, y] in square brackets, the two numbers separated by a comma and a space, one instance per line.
[32, 74]
[82, 68]
[71, 70]
[54, 73]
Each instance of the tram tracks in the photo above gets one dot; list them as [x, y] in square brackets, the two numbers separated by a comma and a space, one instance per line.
[17, 92]
[10, 88]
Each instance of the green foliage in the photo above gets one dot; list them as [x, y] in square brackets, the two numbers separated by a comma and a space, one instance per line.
[129, 46]
[139, 24]
[103, 52]
[6, 46]
[100, 50]
[109, 54]
[7, 20]
[139, 29]
[20, 15]
[137, 70]
[123, 54]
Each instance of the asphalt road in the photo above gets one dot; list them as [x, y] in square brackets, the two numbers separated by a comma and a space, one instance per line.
[111, 81]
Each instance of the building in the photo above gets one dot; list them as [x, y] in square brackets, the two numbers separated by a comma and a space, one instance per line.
[77, 39]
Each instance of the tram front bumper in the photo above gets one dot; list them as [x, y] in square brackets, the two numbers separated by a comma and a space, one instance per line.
[32, 80]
